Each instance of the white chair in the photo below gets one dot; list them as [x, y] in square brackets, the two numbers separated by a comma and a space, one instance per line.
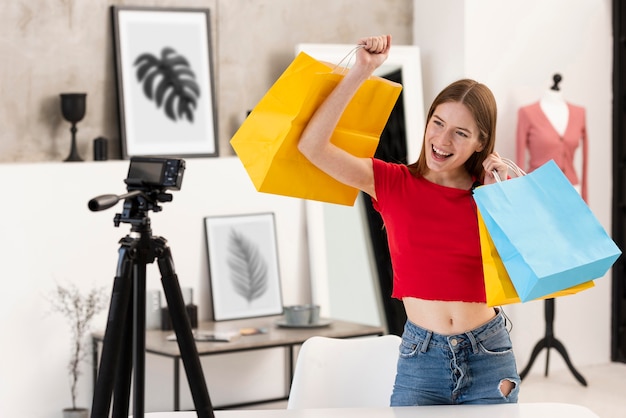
[338, 373]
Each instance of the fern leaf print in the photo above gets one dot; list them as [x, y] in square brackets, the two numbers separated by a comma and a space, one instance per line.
[248, 268]
[170, 82]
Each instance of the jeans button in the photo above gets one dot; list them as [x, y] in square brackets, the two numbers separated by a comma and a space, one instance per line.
[454, 342]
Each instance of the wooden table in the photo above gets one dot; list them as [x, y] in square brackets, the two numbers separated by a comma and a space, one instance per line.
[275, 336]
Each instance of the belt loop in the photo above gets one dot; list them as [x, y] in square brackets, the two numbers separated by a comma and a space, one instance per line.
[426, 341]
[470, 335]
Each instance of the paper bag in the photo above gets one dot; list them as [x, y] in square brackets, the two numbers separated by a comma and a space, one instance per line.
[266, 143]
[545, 234]
[499, 289]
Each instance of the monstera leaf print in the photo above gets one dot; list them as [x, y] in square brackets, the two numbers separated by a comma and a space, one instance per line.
[169, 81]
[248, 268]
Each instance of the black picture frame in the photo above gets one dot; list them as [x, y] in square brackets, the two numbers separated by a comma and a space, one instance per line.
[244, 273]
[164, 78]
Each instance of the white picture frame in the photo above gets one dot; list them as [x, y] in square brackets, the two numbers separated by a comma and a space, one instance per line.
[164, 81]
[244, 273]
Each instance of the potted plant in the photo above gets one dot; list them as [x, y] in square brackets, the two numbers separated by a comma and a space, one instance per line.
[79, 310]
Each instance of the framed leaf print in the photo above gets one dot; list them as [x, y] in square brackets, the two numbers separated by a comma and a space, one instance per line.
[243, 266]
[164, 81]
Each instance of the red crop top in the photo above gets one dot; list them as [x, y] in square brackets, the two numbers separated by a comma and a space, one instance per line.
[432, 232]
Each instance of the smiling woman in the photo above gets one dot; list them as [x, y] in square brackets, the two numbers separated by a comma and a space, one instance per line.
[430, 219]
[451, 139]
[462, 120]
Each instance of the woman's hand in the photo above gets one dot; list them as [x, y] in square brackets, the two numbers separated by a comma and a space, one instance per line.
[494, 163]
[374, 51]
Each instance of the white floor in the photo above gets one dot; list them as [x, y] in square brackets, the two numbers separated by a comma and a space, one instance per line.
[605, 393]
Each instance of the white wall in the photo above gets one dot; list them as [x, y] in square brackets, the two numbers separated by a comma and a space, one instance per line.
[49, 235]
[515, 47]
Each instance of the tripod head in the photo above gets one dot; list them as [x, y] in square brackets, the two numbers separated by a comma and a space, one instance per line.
[147, 182]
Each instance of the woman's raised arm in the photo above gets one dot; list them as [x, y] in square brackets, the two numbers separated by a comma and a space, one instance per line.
[315, 139]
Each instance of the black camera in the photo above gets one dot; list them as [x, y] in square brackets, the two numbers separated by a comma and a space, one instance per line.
[148, 179]
[155, 173]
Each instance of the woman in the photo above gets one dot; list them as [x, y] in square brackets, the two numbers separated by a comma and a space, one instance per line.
[455, 348]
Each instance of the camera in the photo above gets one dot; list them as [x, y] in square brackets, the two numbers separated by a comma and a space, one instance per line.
[148, 179]
[146, 173]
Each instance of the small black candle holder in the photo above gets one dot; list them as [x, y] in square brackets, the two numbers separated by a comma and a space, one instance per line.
[73, 107]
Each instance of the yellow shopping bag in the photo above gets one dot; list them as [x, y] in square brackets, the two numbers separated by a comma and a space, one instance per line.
[266, 143]
[498, 286]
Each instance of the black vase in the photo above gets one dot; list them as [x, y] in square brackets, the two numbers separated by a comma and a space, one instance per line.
[100, 149]
[73, 108]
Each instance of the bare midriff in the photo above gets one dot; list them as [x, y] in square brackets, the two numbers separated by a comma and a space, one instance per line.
[447, 318]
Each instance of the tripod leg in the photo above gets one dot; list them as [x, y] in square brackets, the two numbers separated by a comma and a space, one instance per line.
[139, 336]
[112, 342]
[545, 342]
[538, 347]
[561, 349]
[549, 317]
[184, 336]
[121, 391]
[549, 344]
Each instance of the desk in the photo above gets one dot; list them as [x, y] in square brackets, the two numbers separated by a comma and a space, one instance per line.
[521, 410]
[275, 336]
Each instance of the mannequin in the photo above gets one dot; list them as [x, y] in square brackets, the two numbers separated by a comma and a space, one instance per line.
[553, 129]
[555, 108]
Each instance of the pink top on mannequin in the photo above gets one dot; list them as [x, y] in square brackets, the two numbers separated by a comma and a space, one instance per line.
[552, 129]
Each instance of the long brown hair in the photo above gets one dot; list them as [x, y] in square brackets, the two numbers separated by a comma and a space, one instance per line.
[480, 102]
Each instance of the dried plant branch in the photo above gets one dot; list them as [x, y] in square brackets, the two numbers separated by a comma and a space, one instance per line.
[79, 310]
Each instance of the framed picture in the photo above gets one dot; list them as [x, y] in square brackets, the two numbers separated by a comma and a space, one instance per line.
[164, 81]
[243, 266]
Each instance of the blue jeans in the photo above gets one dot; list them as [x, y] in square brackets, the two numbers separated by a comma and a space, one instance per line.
[468, 368]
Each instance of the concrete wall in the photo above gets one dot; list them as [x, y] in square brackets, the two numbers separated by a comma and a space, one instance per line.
[49, 48]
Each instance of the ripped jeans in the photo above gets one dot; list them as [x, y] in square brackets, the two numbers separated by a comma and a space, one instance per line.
[468, 368]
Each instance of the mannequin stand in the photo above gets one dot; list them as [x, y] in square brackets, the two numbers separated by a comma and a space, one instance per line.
[548, 342]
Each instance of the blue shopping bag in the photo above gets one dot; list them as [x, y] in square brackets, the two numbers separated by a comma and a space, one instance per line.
[546, 235]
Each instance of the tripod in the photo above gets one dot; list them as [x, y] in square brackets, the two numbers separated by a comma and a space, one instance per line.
[124, 340]
[548, 342]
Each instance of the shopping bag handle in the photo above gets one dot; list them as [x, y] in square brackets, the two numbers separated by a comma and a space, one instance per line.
[514, 167]
[348, 56]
